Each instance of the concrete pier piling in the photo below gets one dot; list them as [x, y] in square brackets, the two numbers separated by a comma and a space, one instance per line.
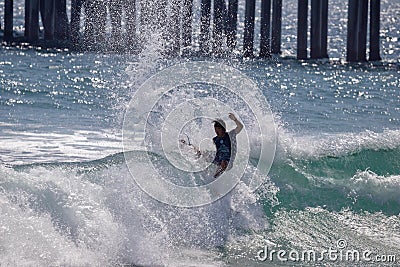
[115, 7]
[173, 31]
[61, 30]
[130, 21]
[357, 30]
[374, 46]
[248, 38]
[362, 31]
[47, 8]
[352, 31]
[276, 26]
[76, 9]
[187, 14]
[95, 23]
[319, 28]
[8, 20]
[231, 27]
[204, 39]
[302, 22]
[218, 26]
[32, 20]
[324, 29]
[315, 29]
[265, 29]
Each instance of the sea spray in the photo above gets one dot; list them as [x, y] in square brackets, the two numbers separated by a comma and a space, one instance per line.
[102, 214]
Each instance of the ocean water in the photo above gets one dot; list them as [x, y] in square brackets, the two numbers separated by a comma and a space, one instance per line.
[67, 196]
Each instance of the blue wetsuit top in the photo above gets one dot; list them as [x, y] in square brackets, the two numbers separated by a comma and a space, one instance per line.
[223, 145]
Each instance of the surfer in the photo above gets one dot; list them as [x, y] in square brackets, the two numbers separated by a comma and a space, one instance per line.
[225, 142]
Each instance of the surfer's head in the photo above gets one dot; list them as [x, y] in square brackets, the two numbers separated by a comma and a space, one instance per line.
[219, 126]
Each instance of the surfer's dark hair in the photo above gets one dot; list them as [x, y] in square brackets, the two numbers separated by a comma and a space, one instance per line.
[219, 125]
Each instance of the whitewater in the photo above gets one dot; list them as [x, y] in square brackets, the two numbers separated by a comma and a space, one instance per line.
[68, 196]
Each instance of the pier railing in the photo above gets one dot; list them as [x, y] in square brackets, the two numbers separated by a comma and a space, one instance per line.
[218, 25]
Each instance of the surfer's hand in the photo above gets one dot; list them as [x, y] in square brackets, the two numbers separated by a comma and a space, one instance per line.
[232, 117]
[198, 152]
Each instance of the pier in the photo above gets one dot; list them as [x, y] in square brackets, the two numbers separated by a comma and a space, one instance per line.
[132, 20]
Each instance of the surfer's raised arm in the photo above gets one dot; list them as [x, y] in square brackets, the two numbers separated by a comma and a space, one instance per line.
[239, 125]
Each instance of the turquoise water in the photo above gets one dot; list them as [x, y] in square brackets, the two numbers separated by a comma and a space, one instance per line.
[68, 198]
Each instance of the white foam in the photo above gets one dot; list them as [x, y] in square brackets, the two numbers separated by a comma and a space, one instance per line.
[55, 217]
[20, 147]
[314, 147]
[61, 217]
[380, 188]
